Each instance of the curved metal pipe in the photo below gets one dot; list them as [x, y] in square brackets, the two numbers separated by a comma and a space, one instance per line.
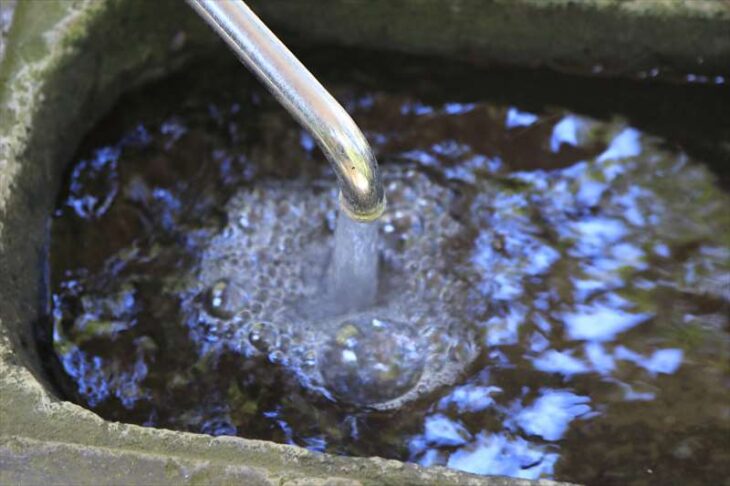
[361, 190]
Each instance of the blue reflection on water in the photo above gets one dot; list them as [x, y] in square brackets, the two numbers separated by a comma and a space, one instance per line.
[366, 101]
[92, 383]
[306, 141]
[317, 443]
[565, 132]
[538, 342]
[97, 380]
[550, 415]
[631, 201]
[441, 431]
[170, 205]
[600, 322]
[100, 173]
[470, 398]
[422, 157]
[517, 118]
[504, 330]
[138, 136]
[174, 129]
[499, 454]
[218, 427]
[602, 361]
[626, 144]
[590, 192]
[666, 361]
[594, 234]
[458, 108]
[416, 108]
[504, 258]
[469, 165]
[563, 362]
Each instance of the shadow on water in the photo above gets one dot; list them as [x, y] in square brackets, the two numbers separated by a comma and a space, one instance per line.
[563, 244]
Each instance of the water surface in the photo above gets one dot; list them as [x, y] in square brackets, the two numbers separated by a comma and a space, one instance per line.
[554, 277]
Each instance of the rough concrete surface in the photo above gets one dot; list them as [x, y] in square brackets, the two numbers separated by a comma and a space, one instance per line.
[65, 64]
[606, 37]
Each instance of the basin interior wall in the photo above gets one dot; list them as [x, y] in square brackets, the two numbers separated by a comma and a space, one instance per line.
[66, 67]
[113, 50]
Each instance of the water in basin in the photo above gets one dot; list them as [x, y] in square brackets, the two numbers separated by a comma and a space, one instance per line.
[551, 295]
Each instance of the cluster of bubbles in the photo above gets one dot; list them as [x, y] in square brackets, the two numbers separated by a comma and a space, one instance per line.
[261, 288]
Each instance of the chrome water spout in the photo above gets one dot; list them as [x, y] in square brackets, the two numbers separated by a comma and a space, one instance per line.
[361, 191]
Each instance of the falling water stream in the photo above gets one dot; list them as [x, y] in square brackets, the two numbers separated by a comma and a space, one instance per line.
[353, 279]
[546, 295]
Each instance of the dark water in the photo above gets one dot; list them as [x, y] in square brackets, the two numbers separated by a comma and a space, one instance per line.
[554, 272]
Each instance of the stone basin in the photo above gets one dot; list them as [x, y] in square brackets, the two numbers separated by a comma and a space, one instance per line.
[65, 65]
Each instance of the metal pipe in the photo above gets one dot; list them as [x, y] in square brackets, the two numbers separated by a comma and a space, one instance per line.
[361, 190]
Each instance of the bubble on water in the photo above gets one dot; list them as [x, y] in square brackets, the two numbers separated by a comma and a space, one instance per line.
[225, 300]
[262, 336]
[371, 360]
[400, 227]
[277, 357]
[310, 358]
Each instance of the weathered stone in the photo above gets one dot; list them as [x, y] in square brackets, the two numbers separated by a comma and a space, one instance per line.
[607, 37]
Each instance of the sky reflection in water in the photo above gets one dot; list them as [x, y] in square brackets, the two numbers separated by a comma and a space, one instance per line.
[604, 247]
